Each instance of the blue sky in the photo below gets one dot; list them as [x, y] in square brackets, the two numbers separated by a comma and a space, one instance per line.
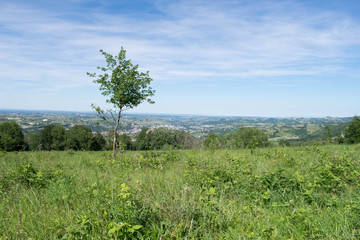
[240, 58]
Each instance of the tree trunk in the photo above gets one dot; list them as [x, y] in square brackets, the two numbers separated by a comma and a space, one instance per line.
[115, 133]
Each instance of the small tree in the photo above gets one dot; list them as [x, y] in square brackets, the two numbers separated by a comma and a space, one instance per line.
[123, 85]
[328, 133]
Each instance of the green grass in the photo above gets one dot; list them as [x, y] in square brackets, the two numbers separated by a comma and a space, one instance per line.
[271, 193]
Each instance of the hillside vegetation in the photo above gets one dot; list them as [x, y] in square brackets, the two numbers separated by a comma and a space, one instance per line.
[266, 193]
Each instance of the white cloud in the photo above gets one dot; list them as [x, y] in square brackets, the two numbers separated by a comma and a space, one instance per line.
[191, 40]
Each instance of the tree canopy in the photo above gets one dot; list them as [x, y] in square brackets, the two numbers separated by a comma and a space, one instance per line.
[213, 141]
[79, 137]
[11, 137]
[52, 137]
[98, 143]
[352, 134]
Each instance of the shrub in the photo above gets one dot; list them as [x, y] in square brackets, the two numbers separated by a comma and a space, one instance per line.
[28, 175]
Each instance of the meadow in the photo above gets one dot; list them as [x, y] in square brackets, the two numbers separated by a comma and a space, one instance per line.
[268, 193]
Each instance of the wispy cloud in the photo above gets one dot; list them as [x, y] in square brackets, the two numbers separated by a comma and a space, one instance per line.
[191, 39]
[50, 49]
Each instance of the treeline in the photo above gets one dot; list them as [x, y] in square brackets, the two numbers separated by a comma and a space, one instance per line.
[52, 137]
[246, 137]
[81, 138]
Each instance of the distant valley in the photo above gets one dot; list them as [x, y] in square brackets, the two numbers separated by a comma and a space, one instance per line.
[278, 129]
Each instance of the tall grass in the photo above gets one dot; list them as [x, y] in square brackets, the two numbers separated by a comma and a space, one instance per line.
[270, 193]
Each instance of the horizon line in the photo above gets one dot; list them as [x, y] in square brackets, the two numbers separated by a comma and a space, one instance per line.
[173, 114]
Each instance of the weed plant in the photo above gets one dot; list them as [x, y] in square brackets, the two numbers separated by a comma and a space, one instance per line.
[271, 193]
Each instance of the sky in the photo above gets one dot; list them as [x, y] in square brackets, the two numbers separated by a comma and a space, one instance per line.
[272, 58]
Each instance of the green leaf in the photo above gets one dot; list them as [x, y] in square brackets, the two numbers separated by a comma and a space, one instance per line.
[136, 227]
[212, 191]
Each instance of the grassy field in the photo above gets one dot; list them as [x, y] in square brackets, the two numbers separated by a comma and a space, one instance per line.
[271, 193]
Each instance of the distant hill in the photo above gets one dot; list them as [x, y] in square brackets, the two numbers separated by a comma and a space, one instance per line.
[292, 129]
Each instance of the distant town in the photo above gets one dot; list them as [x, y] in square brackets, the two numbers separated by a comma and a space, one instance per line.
[293, 129]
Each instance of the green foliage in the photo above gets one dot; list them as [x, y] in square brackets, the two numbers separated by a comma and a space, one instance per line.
[335, 174]
[32, 140]
[352, 134]
[246, 137]
[52, 137]
[28, 175]
[98, 142]
[141, 140]
[272, 193]
[328, 132]
[125, 141]
[162, 138]
[156, 160]
[11, 137]
[79, 137]
[113, 217]
[284, 143]
[122, 83]
[212, 141]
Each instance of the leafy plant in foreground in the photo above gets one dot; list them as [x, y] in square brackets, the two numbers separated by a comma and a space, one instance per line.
[28, 175]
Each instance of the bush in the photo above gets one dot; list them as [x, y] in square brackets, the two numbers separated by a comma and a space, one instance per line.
[28, 175]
